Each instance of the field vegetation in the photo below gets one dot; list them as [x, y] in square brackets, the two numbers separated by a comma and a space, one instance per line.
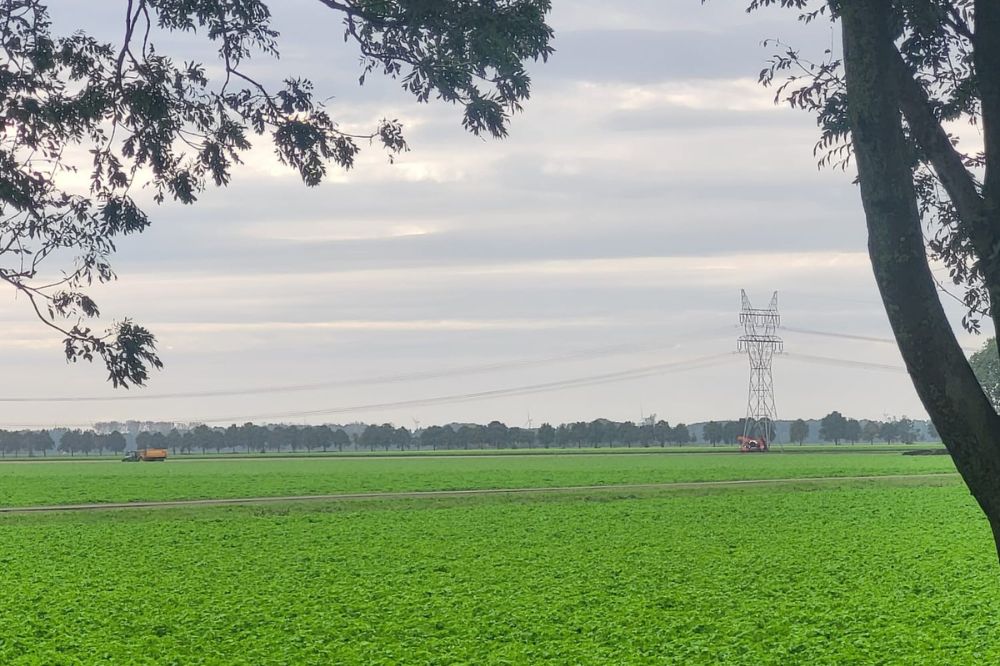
[24, 484]
[899, 572]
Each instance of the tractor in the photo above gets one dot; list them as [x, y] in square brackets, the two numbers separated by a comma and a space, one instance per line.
[145, 455]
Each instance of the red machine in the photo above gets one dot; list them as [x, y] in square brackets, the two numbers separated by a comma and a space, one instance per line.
[752, 444]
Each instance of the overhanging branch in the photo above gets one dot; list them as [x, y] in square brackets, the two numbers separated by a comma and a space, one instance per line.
[948, 163]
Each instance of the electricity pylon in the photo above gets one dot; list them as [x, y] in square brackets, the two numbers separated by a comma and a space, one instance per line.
[760, 343]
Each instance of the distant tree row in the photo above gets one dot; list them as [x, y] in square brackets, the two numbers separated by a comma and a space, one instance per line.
[40, 442]
[836, 428]
[87, 442]
[25, 442]
[719, 432]
[386, 437]
[247, 437]
[251, 438]
[498, 435]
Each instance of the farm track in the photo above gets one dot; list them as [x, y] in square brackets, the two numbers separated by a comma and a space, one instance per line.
[430, 494]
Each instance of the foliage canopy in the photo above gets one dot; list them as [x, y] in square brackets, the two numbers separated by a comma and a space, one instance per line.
[124, 115]
[986, 364]
[935, 70]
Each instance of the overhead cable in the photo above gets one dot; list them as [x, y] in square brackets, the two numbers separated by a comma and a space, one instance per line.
[849, 336]
[841, 362]
[583, 354]
[590, 380]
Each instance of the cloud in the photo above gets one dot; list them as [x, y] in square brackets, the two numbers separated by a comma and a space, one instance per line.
[645, 56]
[374, 325]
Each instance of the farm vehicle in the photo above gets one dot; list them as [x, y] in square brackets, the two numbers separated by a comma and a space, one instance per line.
[145, 455]
[752, 444]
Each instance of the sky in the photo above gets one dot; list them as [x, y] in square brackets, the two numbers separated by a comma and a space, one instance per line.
[589, 265]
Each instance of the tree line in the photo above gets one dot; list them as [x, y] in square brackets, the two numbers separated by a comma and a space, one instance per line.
[385, 437]
[596, 433]
[248, 438]
[836, 428]
[252, 438]
[41, 442]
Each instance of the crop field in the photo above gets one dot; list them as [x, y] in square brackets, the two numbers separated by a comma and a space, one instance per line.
[895, 571]
[112, 481]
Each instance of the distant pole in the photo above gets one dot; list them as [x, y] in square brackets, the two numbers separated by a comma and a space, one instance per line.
[760, 343]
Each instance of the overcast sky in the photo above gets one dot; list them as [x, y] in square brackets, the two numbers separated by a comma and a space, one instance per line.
[649, 179]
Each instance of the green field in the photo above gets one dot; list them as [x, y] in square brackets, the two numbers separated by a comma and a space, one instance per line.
[24, 484]
[895, 572]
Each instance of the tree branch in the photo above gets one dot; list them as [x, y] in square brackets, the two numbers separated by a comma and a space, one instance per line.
[31, 293]
[333, 4]
[352, 12]
[927, 130]
[957, 23]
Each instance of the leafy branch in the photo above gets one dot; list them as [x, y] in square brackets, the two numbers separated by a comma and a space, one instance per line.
[146, 119]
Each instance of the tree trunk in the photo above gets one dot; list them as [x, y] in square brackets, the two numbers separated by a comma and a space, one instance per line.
[948, 389]
[987, 62]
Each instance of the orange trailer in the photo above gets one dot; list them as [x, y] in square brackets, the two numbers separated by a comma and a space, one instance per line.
[146, 455]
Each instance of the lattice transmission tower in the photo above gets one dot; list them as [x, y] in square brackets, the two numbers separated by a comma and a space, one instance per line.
[760, 343]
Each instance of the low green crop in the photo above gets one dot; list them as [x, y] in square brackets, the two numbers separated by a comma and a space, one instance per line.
[83, 482]
[853, 572]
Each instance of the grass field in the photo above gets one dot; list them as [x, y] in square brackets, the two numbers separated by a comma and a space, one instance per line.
[111, 481]
[894, 572]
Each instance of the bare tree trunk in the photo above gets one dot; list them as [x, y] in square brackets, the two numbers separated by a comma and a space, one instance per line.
[957, 405]
[986, 50]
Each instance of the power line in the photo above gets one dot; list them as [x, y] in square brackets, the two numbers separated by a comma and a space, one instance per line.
[578, 382]
[849, 336]
[833, 297]
[844, 363]
[841, 336]
[584, 354]
[590, 380]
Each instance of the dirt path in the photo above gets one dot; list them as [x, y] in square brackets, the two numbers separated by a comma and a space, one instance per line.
[423, 494]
